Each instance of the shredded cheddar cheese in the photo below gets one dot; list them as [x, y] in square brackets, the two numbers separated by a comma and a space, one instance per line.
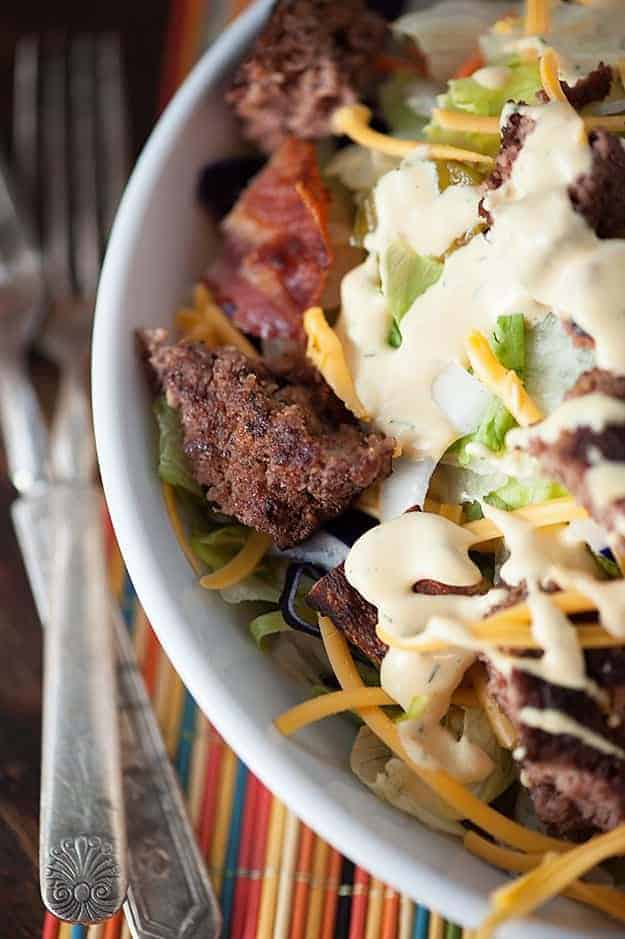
[176, 523]
[614, 122]
[536, 17]
[607, 899]
[328, 705]
[353, 120]
[501, 726]
[550, 77]
[504, 383]
[513, 636]
[540, 515]
[446, 509]
[552, 876]
[241, 565]
[326, 353]
[449, 789]
[460, 120]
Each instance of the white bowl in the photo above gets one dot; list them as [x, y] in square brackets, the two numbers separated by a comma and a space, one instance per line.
[158, 247]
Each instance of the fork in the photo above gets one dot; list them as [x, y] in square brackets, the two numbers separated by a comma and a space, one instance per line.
[70, 147]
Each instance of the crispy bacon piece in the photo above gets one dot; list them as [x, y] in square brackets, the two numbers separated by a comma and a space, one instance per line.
[276, 251]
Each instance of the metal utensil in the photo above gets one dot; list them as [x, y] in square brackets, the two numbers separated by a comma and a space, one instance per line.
[82, 844]
[170, 896]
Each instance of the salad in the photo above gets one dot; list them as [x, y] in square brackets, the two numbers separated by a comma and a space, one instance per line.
[392, 419]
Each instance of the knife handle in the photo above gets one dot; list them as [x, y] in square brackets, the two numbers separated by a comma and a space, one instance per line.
[82, 840]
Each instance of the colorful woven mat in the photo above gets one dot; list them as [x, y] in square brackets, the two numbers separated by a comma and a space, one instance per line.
[274, 877]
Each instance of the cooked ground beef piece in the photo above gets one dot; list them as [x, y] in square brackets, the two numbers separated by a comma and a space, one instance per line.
[335, 597]
[576, 789]
[570, 456]
[277, 454]
[312, 57]
[512, 139]
[593, 87]
[600, 194]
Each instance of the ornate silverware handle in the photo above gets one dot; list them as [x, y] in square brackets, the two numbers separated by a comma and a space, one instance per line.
[170, 895]
[82, 839]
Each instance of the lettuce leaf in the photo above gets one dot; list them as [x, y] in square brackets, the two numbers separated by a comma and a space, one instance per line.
[173, 466]
[218, 545]
[517, 493]
[391, 780]
[266, 625]
[467, 94]
[405, 276]
[553, 363]
[508, 341]
[491, 433]
[406, 103]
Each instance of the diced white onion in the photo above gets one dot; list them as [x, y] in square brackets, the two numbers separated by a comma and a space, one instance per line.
[322, 548]
[448, 32]
[584, 529]
[405, 487]
[461, 397]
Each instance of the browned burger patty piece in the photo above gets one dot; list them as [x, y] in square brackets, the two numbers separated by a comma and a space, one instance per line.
[280, 455]
[576, 789]
[569, 458]
[600, 194]
[335, 597]
[312, 57]
[592, 87]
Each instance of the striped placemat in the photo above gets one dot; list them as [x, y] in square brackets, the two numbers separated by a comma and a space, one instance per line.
[275, 878]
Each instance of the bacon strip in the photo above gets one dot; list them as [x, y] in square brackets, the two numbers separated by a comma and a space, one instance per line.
[276, 251]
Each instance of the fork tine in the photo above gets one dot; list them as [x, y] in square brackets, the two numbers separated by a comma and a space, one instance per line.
[84, 206]
[25, 118]
[113, 130]
[54, 190]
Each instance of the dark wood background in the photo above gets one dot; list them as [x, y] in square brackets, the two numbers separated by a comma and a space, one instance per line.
[143, 26]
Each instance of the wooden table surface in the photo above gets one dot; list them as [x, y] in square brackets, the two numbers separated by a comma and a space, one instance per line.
[142, 25]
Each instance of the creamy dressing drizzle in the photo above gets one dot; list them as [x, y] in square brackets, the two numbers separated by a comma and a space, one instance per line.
[596, 411]
[386, 562]
[555, 722]
[538, 256]
[383, 565]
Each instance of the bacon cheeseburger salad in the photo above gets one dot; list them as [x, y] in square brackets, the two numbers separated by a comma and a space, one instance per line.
[393, 417]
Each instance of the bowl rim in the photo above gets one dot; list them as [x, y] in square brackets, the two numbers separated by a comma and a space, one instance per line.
[270, 763]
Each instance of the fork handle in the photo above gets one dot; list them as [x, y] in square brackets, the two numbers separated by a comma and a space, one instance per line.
[82, 839]
[25, 437]
[72, 453]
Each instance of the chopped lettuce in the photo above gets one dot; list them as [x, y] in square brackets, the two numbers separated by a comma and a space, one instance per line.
[390, 778]
[406, 103]
[508, 341]
[517, 493]
[468, 94]
[491, 432]
[607, 565]
[405, 276]
[479, 143]
[218, 545]
[265, 625]
[553, 363]
[173, 467]
[359, 168]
